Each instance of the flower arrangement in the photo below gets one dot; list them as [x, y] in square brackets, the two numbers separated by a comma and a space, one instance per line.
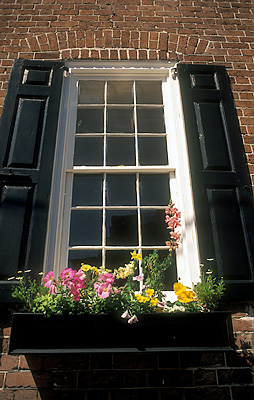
[125, 290]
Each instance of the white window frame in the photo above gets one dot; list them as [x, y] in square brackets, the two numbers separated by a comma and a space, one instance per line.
[187, 255]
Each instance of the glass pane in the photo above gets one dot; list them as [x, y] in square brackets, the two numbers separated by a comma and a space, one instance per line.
[120, 151]
[121, 228]
[153, 228]
[88, 151]
[121, 190]
[149, 92]
[86, 226]
[91, 257]
[170, 275]
[150, 120]
[91, 92]
[152, 151]
[90, 120]
[120, 120]
[154, 189]
[120, 92]
[87, 190]
[117, 258]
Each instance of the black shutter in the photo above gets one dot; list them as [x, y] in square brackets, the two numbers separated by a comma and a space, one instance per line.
[27, 145]
[222, 192]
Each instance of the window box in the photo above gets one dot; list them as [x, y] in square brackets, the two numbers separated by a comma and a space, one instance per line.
[85, 333]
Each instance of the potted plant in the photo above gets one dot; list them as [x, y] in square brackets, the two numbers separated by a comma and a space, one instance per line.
[94, 309]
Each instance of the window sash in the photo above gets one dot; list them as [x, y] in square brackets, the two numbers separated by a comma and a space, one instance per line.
[187, 255]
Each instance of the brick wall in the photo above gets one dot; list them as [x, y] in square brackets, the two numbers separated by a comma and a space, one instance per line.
[192, 31]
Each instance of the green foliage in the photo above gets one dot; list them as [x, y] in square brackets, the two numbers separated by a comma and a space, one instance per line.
[209, 291]
[27, 291]
[154, 269]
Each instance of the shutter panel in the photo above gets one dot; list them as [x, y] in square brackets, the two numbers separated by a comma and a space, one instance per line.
[222, 192]
[27, 145]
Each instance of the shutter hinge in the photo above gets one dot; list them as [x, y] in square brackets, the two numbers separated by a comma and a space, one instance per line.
[174, 73]
[65, 72]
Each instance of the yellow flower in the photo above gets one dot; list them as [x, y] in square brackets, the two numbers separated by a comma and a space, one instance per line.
[138, 297]
[85, 267]
[135, 256]
[149, 292]
[178, 286]
[153, 301]
[145, 299]
[183, 295]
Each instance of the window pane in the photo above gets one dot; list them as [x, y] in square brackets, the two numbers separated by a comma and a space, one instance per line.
[91, 257]
[120, 120]
[154, 190]
[120, 92]
[87, 190]
[117, 258]
[121, 190]
[90, 120]
[152, 151]
[153, 227]
[120, 151]
[91, 92]
[88, 151]
[149, 92]
[150, 120]
[85, 227]
[121, 228]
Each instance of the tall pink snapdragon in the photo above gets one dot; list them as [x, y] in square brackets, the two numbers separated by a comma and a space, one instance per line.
[173, 221]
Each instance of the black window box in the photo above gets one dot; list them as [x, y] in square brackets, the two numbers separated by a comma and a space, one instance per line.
[85, 333]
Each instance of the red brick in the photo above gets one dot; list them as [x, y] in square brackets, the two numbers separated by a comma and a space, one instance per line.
[22, 379]
[9, 363]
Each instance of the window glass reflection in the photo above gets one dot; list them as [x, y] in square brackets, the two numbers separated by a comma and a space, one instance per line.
[87, 190]
[152, 151]
[90, 120]
[86, 226]
[91, 92]
[120, 120]
[120, 151]
[121, 228]
[154, 189]
[120, 92]
[88, 151]
[90, 256]
[121, 190]
[153, 227]
[150, 120]
[149, 92]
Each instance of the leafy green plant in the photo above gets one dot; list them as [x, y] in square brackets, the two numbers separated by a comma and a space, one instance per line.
[154, 269]
[209, 291]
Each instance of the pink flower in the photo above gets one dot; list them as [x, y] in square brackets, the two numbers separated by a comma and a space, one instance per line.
[80, 275]
[53, 289]
[107, 277]
[103, 289]
[67, 274]
[126, 315]
[49, 279]
[138, 278]
[133, 320]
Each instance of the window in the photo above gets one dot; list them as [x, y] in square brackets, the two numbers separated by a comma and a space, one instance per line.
[207, 176]
[122, 165]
